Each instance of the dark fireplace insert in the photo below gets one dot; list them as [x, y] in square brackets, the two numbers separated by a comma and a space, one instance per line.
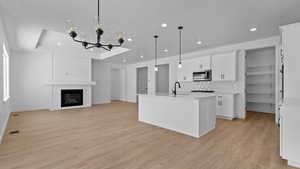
[71, 97]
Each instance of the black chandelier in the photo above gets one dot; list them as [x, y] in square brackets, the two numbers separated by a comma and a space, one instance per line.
[99, 33]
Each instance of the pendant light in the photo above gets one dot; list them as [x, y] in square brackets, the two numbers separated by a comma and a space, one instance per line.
[155, 59]
[180, 31]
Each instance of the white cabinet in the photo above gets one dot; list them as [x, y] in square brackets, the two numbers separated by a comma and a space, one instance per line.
[224, 66]
[200, 64]
[290, 116]
[225, 106]
[193, 65]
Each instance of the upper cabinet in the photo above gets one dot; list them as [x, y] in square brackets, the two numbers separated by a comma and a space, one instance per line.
[201, 64]
[192, 65]
[224, 66]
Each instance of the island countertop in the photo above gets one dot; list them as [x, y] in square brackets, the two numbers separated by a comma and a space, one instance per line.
[182, 96]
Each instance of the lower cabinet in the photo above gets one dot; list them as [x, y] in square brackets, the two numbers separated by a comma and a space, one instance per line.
[225, 106]
[289, 133]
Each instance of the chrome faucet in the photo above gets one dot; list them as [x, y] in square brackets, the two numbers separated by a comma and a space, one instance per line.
[175, 85]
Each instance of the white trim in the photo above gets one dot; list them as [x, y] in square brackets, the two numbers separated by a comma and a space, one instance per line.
[71, 83]
[224, 117]
[6, 90]
[294, 164]
[2, 131]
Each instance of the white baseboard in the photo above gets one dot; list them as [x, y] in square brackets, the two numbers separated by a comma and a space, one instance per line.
[224, 117]
[3, 128]
[294, 164]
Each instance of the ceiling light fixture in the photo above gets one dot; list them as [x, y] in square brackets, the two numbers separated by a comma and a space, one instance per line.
[129, 40]
[166, 50]
[58, 44]
[142, 56]
[124, 60]
[155, 59]
[199, 42]
[164, 25]
[99, 33]
[180, 46]
[253, 29]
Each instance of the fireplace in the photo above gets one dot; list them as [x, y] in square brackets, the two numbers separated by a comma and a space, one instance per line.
[71, 97]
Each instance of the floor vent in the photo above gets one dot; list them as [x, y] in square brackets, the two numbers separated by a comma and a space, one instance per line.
[14, 132]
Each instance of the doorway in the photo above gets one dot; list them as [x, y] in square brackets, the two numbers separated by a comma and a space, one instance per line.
[141, 81]
[116, 84]
[261, 80]
[162, 80]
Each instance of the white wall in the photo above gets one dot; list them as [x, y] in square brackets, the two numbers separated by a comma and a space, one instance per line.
[102, 76]
[131, 76]
[30, 73]
[71, 64]
[4, 106]
[116, 84]
[33, 70]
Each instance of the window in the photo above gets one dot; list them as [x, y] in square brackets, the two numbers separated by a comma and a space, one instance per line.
[5, 74]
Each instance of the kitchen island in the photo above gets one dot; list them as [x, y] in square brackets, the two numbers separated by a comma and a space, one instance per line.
[192, 114]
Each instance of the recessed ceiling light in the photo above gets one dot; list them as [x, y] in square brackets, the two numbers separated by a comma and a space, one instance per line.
[124, 60]
[253, 29]
[92, 49]
[58, 44]
[142, 56]
[164, 25]
[166, 50]
[199, 42]
[129, 40]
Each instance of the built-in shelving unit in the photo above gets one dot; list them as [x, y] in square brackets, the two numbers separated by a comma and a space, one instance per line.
[260, 80]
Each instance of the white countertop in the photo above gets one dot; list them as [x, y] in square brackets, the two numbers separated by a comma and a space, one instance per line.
[183, 96]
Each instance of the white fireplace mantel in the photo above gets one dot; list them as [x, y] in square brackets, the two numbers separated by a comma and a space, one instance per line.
[71, 83]
[57, 87]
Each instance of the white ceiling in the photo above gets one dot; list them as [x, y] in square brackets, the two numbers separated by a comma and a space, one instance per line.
[214, 22]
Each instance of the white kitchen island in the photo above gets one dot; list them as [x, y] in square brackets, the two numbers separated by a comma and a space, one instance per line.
[193, 115]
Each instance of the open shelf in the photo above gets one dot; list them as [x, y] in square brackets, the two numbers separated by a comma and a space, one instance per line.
[260, 66]
[260, 93]
[261, 102]
[260, 80]
[260, 73]
[260, 83]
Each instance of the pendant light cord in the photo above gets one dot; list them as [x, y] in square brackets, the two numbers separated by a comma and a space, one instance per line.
[180, 32]
[98, 12]
[155, 50]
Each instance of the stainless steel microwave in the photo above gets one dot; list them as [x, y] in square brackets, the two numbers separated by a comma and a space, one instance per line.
[202, 76]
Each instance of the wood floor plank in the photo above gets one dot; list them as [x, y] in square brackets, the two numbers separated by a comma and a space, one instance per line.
[109, 136]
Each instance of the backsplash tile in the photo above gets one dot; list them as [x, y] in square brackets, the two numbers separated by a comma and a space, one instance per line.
[216, 86]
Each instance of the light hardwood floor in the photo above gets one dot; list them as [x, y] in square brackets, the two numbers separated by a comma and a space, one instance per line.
[109, 137]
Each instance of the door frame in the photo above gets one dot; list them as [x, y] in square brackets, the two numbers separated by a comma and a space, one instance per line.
[137, 81]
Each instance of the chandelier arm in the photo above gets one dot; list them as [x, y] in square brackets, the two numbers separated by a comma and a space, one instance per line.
[90, 47]
[90, 43]
[79, 41]
[113, 45]
[103, 47]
